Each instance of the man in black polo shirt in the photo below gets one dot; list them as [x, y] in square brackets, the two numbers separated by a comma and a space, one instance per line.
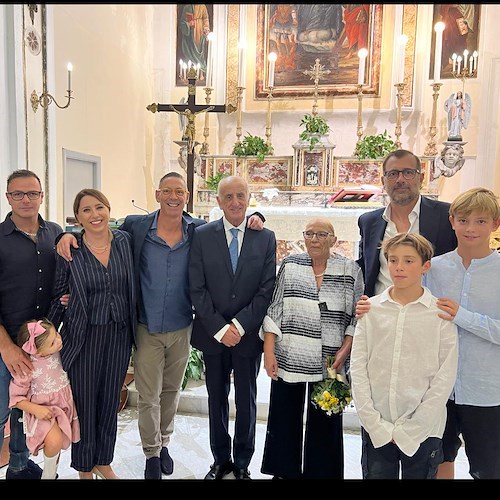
[27, 265]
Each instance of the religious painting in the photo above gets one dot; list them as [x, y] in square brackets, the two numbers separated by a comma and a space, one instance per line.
[301, 34]
[275, 171]
[357, 173]
[194, 23]
[461, 34]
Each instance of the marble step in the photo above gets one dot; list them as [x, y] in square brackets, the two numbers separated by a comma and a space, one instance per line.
[194, 400]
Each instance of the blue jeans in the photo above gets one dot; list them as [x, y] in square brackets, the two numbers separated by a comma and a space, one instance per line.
[17, 445]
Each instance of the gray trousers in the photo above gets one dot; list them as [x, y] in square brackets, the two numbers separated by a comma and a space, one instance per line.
[159, 365]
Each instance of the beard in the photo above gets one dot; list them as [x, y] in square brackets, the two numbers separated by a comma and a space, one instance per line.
[403, 198]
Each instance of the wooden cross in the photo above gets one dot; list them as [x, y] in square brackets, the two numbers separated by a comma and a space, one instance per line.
[190, 110]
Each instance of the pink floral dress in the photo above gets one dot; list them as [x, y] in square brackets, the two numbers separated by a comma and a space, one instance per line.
[48, 385]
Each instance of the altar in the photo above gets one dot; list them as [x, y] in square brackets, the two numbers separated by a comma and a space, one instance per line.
[288, 222]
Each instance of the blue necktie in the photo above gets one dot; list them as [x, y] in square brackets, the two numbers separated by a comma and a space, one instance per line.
[233, 248]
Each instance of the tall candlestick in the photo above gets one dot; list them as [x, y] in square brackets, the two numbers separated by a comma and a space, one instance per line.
[362, 53]
[272, 61]
[70, 69]
[403, 39]
[241, 63]
[438, 28]
[208, 81]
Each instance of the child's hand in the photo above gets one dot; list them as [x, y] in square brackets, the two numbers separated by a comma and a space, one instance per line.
[43, 413]
[449, 306]
[363, 306]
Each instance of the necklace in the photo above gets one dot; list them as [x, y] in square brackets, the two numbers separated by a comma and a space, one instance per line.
[319, 275]
[97, 250]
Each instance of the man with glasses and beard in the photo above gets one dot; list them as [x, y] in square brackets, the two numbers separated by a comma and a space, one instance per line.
[27, 266]
[407, 212]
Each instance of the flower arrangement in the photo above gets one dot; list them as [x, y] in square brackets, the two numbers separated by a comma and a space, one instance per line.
[333, 394]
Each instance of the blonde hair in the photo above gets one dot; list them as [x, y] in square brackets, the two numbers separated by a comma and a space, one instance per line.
[476, 199]
[422, 245]
[24, 334]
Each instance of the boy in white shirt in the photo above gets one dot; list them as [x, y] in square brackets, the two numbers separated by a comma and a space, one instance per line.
[403, 368]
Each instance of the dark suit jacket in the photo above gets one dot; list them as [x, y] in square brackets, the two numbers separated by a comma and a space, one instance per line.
[434, 225]
[138, 226]
[218, 295]
[71, 277]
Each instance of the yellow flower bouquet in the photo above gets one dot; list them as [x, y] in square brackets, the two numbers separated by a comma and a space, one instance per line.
[333, 394]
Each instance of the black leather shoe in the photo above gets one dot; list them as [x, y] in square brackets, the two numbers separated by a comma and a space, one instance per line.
[32, 471]
[167, 464]
[218, 471]
[241, 473]
[153, 468]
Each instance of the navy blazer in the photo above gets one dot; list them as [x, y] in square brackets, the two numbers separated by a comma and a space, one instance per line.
[219, 295]
[434, 225]
[71, 278]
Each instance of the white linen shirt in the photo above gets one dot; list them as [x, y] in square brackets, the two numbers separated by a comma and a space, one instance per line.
[403, 367]
[477, 291]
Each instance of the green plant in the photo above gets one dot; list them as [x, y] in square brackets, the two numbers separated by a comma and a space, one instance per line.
[315, 127]
[252, 145]
[374, 146]
[194, 368]
[213, 181]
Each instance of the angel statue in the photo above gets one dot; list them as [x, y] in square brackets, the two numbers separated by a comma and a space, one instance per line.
[458, 108]
[450, 161]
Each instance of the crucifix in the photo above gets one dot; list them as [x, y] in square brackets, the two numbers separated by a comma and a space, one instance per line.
[189, 110]
[316, 73]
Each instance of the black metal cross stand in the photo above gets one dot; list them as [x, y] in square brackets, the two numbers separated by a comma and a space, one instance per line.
[189, 110]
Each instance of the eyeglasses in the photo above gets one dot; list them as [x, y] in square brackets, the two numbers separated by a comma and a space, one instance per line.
[19, 195]
[408, 173]
[167, 191]
[321, 235]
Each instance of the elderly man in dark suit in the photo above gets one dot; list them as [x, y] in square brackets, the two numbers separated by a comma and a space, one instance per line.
[230, 294]
[407, 211]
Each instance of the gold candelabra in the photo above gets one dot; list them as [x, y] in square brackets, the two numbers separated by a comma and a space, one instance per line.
[204, 150]
[359, 131]
[268, 122]
[430, 149]
[45, 99]
[239, 104]
[399, 96]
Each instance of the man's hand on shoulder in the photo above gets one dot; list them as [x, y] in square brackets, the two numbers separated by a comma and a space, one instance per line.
[362, 306]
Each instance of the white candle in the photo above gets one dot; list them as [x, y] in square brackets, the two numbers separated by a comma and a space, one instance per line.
[459, 63]
[454, 59]
[210, 38]
[184, 70]
[70, 69]
[241, 63]
[466, 53]
[438, 28]
[474, 55]
[180, 68]
[272, 61]
[403, 39]
[362, 53]
[471, 62]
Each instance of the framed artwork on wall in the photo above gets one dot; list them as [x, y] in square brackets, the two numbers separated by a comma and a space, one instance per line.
[356, 173]
[194, 22]
[461, 33]
[333, 33]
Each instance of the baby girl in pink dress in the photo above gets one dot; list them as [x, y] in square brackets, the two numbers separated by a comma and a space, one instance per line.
[44, 396]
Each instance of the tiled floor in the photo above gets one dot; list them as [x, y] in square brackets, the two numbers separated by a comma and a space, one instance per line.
[191, 453]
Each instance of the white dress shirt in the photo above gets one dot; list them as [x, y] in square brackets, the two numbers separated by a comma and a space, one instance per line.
[403, 367]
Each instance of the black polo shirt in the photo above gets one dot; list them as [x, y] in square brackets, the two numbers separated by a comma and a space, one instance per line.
[27, 271]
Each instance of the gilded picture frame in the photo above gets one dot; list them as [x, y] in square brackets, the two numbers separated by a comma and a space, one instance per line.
[297, 47]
